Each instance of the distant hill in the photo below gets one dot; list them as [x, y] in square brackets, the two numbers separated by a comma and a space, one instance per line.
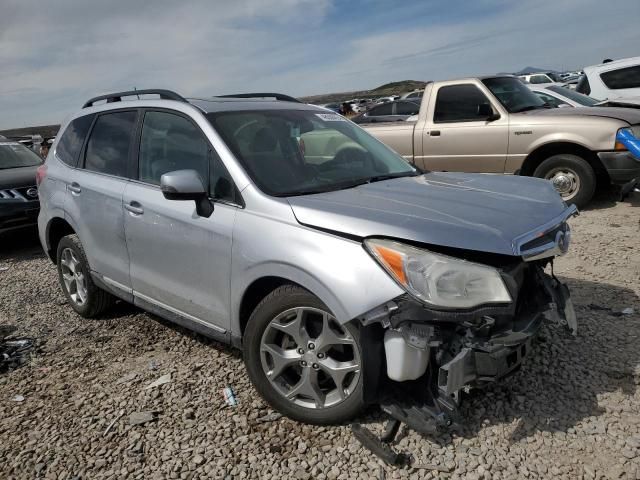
[393, 88]
[528, 70]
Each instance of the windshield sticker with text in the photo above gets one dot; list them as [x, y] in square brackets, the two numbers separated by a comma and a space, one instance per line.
[331, 117]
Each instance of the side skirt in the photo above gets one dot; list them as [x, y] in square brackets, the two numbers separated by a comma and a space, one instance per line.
[202, 328]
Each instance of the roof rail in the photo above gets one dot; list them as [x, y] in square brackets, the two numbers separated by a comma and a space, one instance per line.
[117, 97]
[277, 96]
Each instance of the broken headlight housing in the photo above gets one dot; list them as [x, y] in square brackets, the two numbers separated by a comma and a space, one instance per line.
[439, 280]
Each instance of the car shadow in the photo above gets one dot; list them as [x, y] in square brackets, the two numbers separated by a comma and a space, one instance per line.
[558, 387]
[608, 196]
[20, 245]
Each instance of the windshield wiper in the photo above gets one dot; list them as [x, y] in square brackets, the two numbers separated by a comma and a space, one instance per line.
[350, 184]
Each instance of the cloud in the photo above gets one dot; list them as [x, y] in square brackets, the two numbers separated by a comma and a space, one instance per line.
[55, 56]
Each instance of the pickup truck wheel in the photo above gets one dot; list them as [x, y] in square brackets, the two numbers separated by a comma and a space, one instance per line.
[572, 177]
[301, 360]
[84, 296]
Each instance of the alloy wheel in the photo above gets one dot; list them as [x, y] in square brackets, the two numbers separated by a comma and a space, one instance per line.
[74, 280]
[309, 358]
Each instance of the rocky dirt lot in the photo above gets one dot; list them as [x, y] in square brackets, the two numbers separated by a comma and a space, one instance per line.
[573, 411]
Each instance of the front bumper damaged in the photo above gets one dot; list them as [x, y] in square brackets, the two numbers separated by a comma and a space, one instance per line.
[469, 349]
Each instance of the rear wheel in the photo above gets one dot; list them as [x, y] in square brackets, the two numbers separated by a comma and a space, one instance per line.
[301, 360]
[572, 177]
[84, 296]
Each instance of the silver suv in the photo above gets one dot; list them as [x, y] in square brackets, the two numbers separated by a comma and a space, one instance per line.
[346, 275]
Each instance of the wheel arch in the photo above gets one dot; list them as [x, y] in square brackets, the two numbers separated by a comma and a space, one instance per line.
[56, 229]
[262, 285]
[542, 152]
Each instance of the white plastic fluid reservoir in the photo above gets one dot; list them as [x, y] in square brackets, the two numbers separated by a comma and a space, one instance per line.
[404, 362]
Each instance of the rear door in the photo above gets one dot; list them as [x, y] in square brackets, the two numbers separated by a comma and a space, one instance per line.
[457, 138]
[95, 189]
[180, 261]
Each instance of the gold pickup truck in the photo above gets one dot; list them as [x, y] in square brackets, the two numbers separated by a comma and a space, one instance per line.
[497, 125]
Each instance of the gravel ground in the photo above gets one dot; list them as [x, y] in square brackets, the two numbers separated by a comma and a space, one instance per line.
[573, 411]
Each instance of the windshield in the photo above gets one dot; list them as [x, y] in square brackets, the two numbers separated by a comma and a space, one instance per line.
[513, 94]
[296, 152]
[15, 155]
[573, 95]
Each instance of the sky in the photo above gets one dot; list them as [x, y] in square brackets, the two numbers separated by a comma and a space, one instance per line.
[56, 55]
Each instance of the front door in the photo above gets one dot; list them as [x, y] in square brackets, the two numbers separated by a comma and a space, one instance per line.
[179, 261]
[460, 137]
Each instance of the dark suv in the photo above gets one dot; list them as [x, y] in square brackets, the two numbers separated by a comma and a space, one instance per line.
[18, 193]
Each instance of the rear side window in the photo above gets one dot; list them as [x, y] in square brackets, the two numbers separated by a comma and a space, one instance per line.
[459, 103]
[109, 143]
[170, 142]
[72, 139]
[623, 78]
[407, 108]
[381, 110]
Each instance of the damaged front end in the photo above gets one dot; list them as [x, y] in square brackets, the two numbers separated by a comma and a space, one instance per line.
[422, 358]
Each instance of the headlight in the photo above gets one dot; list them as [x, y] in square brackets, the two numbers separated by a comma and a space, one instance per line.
[439, 280]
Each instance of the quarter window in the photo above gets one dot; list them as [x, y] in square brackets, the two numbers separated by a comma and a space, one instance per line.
[170, 142]
[109, 143]
[72, 139]
[459, 103]
[622, 78]
[222, 186]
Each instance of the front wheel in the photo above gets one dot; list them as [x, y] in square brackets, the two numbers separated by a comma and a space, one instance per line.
[301, 360]
[572, 177]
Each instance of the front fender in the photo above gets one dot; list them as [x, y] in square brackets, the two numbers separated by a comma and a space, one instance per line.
[337, 270]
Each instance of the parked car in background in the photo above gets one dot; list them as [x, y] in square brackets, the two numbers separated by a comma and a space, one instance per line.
[611, 80]
[415, 95]
[560, 96]
[398, 110]
[19, 204]
[346, 275]
[497, 125]
[334, 107]
[537, 79]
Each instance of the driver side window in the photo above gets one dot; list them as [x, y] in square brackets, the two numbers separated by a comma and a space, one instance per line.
[459, 103]
[171, 142]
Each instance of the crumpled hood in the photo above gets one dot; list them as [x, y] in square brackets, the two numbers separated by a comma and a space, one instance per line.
[629, 115]
[469, 211]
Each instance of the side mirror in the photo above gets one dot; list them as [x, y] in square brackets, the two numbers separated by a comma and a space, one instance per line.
[485, 111]
[186, 185]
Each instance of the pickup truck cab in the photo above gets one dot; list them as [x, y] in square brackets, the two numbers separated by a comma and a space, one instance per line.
[497, 125]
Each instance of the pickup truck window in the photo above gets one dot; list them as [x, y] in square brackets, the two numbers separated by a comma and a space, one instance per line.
[458, 103]
[513, 94]
[300, 152]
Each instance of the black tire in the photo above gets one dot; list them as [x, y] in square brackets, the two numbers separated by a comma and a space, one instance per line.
[584, 172]
[280, 300]
[97, 300]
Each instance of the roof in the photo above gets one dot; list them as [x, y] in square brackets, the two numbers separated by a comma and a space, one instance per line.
[239, 101]
[226, 104]
[623, 62]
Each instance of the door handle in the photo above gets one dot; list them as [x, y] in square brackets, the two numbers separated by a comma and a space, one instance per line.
[74, 187]
[434, 133]
[134, 207]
